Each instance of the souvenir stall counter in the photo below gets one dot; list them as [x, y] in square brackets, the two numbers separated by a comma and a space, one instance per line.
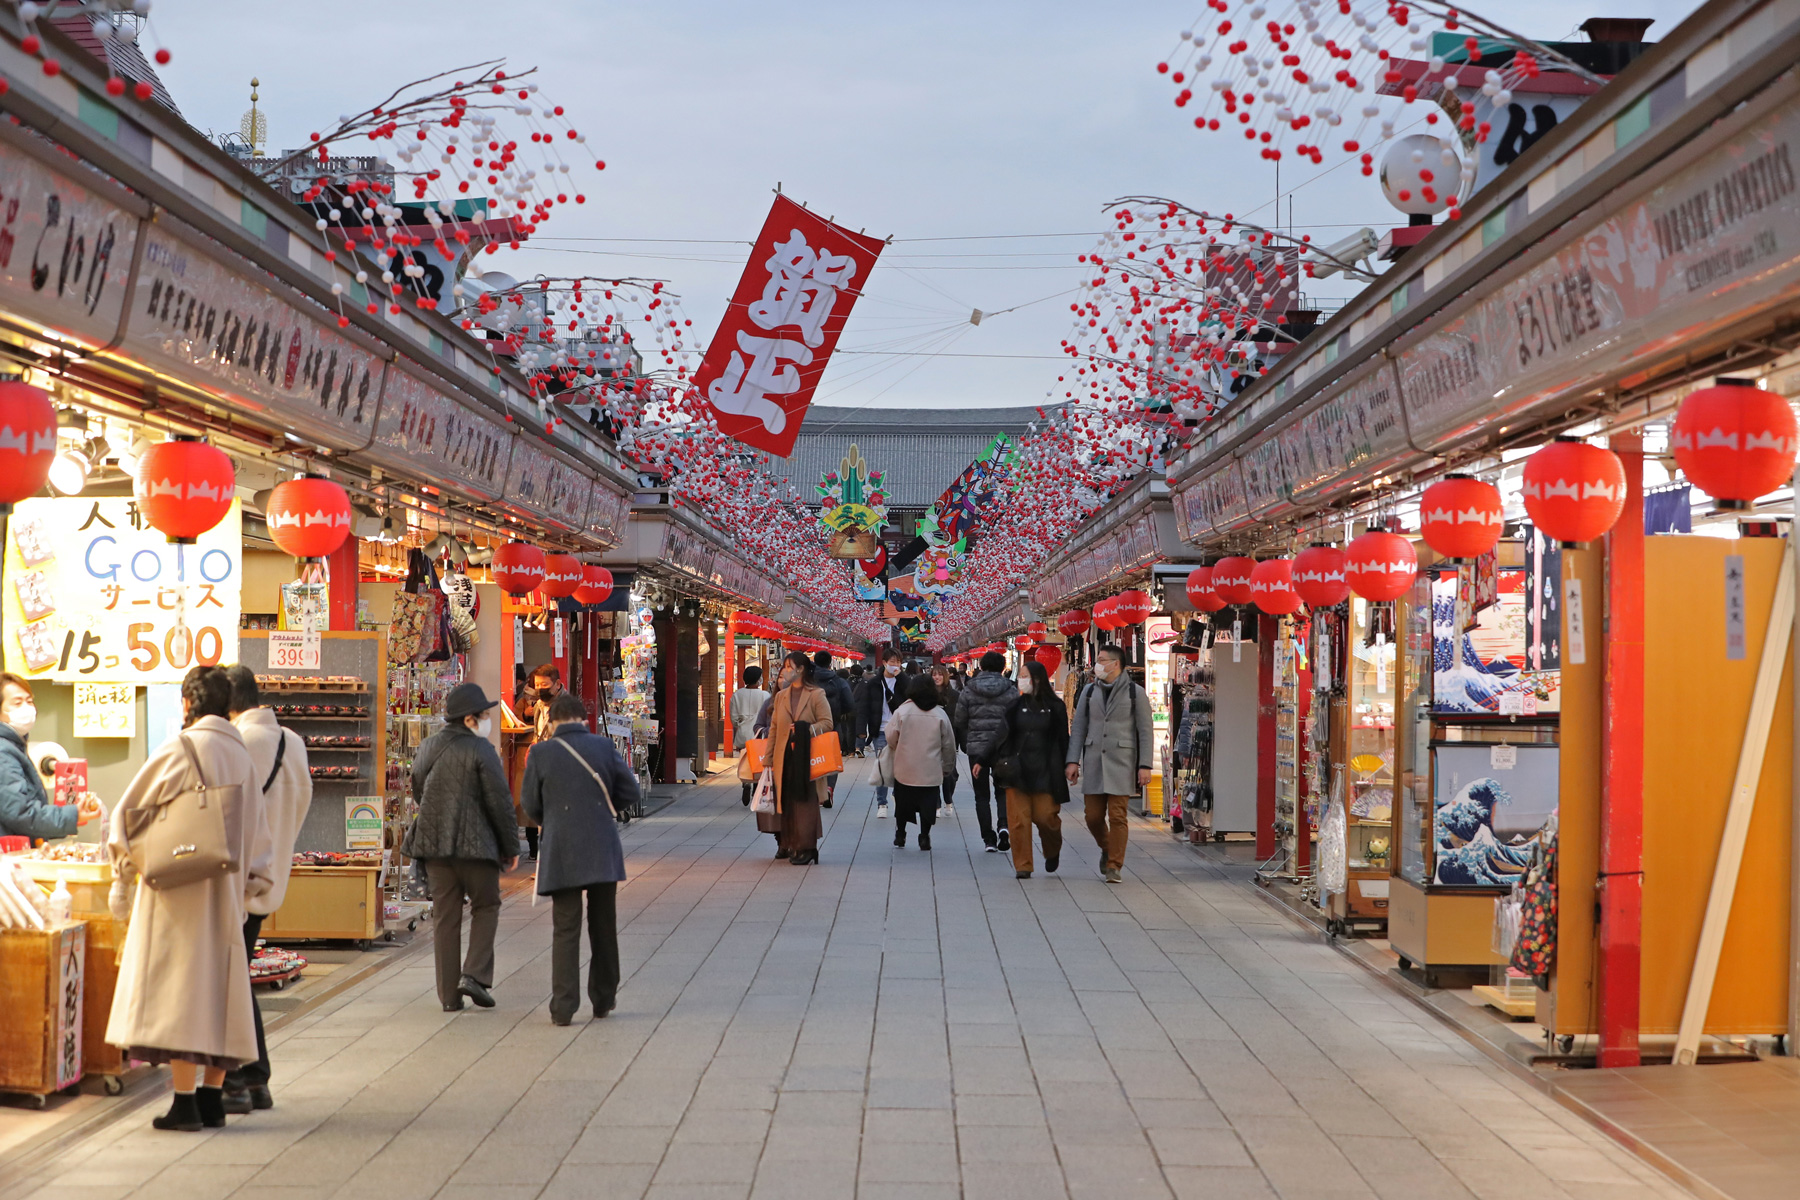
[341, 855]
[1477, 750]
[1188, 767]
[1359, 774]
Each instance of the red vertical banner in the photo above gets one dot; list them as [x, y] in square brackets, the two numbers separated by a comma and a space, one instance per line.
[782, 324]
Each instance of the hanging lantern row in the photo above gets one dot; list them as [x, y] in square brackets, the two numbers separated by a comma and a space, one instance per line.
[756, 626]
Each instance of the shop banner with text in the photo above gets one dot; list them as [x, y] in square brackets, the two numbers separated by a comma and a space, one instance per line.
[92, 594]
[765, 361]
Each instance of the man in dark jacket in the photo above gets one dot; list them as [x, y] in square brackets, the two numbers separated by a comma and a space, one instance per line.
[881, 695]
[843, 708]
[981, 728]
[858, 681]
[573, 781]
[25, 810]
[466, 834]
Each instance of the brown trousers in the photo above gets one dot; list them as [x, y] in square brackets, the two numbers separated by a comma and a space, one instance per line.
[1025, 809]
[452, 879]
[1107, 822]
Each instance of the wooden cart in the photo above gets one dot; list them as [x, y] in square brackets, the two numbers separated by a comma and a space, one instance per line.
[342, 903]
[40, 1009]
[89, 885]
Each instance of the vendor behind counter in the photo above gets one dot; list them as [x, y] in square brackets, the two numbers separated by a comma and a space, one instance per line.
[25, 808]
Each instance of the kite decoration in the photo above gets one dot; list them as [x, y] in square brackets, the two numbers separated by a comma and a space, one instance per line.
[853, 505]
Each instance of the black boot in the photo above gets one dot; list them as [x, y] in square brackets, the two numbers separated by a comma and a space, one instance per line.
[925, 839]
[183, 1115]
[900, 836]
[211, 1103]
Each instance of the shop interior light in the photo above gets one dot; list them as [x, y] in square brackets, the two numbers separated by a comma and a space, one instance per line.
[71, 468]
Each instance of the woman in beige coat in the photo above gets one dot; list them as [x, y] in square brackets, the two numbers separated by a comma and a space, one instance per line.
[798, 712]
[183, 993]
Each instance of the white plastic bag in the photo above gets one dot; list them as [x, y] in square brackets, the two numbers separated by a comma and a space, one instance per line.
[763, 800]
[1332, 868]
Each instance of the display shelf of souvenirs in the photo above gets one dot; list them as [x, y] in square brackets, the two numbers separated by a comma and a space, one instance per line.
[319, 712]
[274, 967]
[310, 683]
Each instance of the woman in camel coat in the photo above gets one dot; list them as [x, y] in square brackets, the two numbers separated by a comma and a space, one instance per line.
[798, 711]
[183, 992]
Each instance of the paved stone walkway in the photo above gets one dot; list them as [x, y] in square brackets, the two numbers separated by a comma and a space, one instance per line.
[888, 1023]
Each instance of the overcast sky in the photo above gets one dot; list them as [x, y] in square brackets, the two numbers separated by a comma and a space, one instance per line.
[983, 135]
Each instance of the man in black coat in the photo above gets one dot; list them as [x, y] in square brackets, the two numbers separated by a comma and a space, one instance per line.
[466, 834]
[982, 729]
[843, 706]
[574, 780]
[881, 695]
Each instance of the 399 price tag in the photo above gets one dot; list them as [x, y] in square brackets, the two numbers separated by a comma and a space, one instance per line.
[290, 651]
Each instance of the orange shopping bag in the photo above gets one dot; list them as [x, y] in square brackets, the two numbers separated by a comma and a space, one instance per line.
[756, 757]
[827, 756]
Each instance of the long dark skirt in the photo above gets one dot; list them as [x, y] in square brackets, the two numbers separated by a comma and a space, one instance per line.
[796, 827]
[915, 804]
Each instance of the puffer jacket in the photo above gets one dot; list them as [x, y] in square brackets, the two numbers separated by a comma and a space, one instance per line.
[465, 809]
[25, 811]
[837, 694]
[981, 714]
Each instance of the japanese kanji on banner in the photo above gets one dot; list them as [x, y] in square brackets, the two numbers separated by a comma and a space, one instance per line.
[764, 363]
[90, 593]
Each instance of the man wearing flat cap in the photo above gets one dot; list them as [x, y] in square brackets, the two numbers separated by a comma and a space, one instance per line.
[465, 834]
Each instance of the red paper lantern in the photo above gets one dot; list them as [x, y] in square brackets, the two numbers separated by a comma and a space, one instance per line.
[184, 487]
[1038, 631]
[1231, 578]
[1319, 576]
[1075, 622]
[1574, 491]
[1272, 587]
[1459, 516]
[562, 575]
[308, 517]
[1735, 442]
[518, 568]
[1380, 565]
[1200, 592]
[1023, 643]
[596, 585]
[1050, 656]
[1134, 607]
[1106, 614]
[27, 441]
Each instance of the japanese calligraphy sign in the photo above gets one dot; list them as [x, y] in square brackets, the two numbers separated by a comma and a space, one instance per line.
[765, 361]
[91, 594]
[105, 710]
[425, 433]
[217, 325]
[65, 251]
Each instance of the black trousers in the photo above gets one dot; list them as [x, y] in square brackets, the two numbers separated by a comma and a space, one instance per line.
[565, 948]
[241, 1078]
[451, 879]
[984, 782]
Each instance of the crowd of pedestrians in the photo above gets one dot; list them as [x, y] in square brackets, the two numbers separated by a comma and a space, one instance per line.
[242, 782]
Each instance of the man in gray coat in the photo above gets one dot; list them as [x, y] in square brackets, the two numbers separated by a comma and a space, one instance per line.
[466, 834]
[573, 782]
[1110, 743]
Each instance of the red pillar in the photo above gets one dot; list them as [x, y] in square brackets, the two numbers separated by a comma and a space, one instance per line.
[341, 567]
[730, 658]
[1265, 734]
[1622, 772]
[590, 668]
[671, 708]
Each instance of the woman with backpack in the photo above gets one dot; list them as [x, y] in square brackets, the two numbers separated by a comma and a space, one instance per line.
[183, 991]
[1032, 758]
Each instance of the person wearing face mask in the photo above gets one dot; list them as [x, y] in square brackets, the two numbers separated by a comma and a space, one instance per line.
[25, 809]
[1109, 754]
[465, 834]
[880, 697]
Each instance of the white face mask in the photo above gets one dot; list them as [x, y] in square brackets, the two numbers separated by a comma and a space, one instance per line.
[22, 716]
[892, 669]
[485, 727]
[1025, 686]
[1108, 669]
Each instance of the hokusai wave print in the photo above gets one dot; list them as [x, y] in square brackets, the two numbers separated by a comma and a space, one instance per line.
[1485, 820]
[1492, 661]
